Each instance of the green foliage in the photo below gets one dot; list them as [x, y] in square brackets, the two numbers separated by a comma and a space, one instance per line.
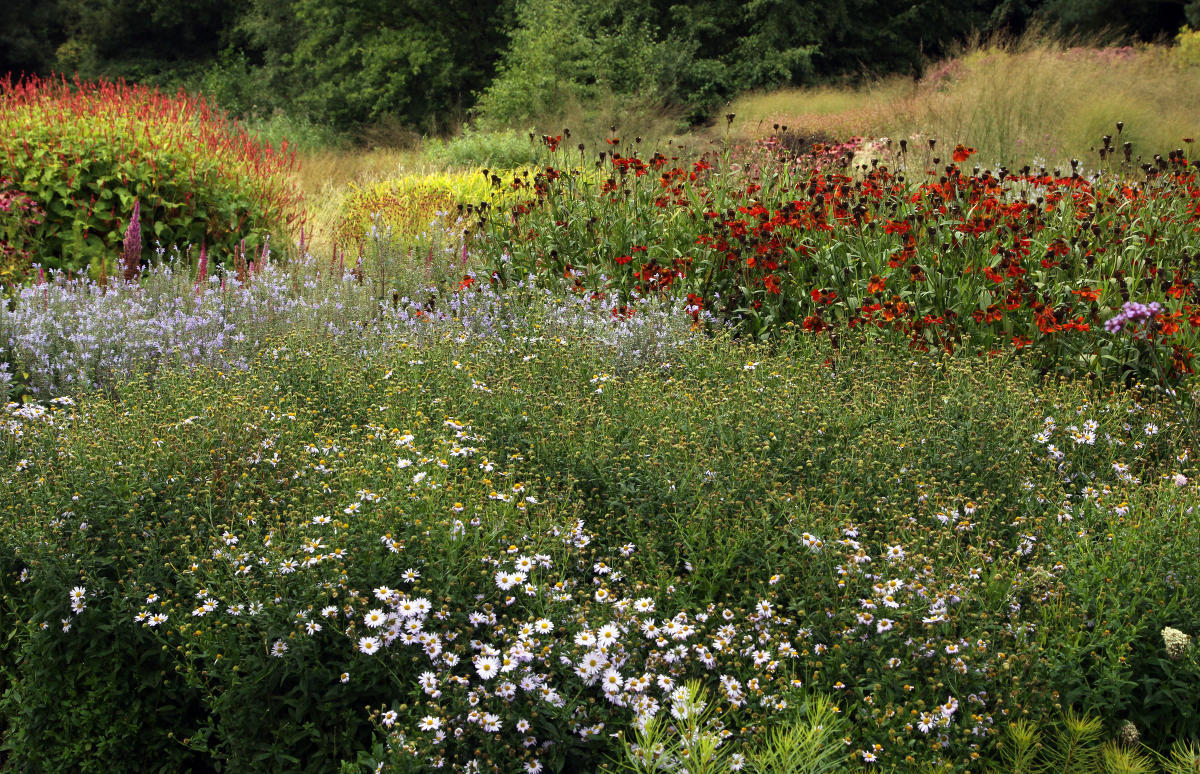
[565, 56]
[141, 40]
[48, 692]
[20, 216]
[1118, 759]
[806, 743]
[1141, 19]
[289, 132]
[85, 153]
[1182, 758]
[30, 31]
[499, 150]
[367, 61]
[217, 698]
[763, 239]
[692, 743]
[1074, 748]
[1107, 655]
[196, 493]
[696, 56]
[422, 63]
[1072, 744]
[547, 64]
[905, 37]
[1077, 746]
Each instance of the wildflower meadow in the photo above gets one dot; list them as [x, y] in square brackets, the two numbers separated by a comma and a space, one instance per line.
[773, 454]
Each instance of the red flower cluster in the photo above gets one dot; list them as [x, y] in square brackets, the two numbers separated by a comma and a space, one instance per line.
[1029, 259]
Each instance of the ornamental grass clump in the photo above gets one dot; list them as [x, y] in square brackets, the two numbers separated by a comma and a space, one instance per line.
[86, 151]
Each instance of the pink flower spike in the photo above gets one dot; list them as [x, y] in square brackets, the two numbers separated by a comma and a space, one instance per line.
[131, 256]
[202, 271]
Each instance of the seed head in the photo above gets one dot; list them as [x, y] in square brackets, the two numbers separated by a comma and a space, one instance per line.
[1128, 734]
[1175, 642]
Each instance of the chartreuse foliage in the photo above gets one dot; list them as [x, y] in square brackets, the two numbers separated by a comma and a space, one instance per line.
[84, 152]
[406, 206]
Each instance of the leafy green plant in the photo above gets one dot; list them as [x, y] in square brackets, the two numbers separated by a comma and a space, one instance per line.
[688, 740]
[430, 532]
[810, 742]
[85, 152]
[497, 150]
[1108, 653]
[1182, 758]
[1074, 748]
[1118, 759]
[1187, 47]
[19, 216]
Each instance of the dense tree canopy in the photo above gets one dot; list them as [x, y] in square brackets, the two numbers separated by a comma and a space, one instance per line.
[424, 63]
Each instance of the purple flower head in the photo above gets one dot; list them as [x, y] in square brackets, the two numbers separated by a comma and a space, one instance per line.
[1132, 312]
[131, 256]
[1136, 312]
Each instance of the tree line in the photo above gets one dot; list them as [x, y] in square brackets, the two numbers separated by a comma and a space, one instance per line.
[428, 64]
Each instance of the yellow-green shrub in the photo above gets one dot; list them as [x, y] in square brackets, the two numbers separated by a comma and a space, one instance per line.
[1187, 46]
[408, 205]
